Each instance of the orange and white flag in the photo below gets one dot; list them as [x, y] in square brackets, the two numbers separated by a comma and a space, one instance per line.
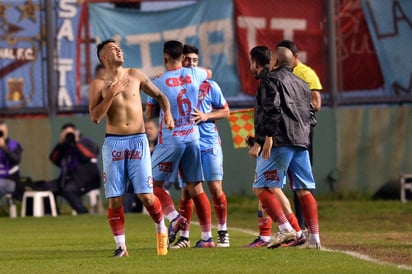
[242, 124]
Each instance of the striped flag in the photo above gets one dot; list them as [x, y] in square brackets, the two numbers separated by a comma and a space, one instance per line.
[242, 124]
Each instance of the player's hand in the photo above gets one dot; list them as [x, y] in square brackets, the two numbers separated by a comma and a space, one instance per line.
[250, 141]
[157, 75]
[117, 86]
[168, 120]
[198, 116]
[267, 147]
[254, 150]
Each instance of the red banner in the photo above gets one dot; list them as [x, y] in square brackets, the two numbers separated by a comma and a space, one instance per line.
[267, 22]
[357, 55]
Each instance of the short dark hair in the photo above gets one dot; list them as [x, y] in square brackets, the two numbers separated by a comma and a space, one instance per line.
[100, 46]
[97, 68]
[67, 125]
[173, 48]
[288, 44]
[261, 55]
[187, 48]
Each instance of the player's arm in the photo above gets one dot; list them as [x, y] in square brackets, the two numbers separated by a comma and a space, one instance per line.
[150, 89]
[316, 100]
[221, 113]
[199, 116]
[98, 106]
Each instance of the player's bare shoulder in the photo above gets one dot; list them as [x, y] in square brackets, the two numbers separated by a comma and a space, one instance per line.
[96, 86]
[136, 74]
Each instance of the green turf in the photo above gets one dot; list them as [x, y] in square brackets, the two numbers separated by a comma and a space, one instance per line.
[84, 244]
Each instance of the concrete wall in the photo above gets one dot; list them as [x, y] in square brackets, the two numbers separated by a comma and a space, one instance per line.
[356, 150]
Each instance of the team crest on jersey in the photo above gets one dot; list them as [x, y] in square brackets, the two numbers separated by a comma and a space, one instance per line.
[166, 167]
[271, 175]
[202, 95]
[204, 90]
[150, 181]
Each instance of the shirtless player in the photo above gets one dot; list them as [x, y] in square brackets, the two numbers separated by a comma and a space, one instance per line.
[125, 151]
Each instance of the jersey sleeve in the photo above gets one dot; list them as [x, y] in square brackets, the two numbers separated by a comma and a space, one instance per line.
[313, 80]
[308, 75]
[150, 101]
[200, 74]
[218, 100]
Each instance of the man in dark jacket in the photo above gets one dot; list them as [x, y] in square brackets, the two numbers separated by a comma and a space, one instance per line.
[76, 156]
[282, 125]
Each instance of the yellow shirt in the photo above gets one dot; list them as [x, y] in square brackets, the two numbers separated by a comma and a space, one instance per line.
[308, 75]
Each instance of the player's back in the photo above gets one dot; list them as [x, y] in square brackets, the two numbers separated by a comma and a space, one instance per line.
[181, 86]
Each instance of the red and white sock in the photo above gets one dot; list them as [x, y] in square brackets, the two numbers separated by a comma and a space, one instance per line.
[204, 214]
[310, 212]
[294, 223]
[273, 208]
[115, 216]
[265, 227]
[155, 212]
[167, 203]
[220, 205]
[186, 210]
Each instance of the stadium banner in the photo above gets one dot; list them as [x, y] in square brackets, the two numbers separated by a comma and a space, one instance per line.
[241, 125]
[390, 24]
[357, 57]
[141, 34]
[67, 61]
[23, 70]
[22, 57]
[271, 21]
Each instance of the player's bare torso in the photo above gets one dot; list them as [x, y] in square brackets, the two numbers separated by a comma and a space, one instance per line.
[125, 113]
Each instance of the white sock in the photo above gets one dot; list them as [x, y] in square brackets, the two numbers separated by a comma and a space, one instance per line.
[120, 241]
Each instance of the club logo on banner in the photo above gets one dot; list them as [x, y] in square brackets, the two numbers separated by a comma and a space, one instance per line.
[19, 53]
[242, 124]
[23, 54]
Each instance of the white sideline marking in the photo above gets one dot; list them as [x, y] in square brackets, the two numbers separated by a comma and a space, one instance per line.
[351, 253]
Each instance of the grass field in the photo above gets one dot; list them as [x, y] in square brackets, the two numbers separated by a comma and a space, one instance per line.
[381, 231]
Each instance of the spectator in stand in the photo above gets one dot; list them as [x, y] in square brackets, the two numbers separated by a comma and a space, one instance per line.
[99, 71]
[76, 156]
[152, 132]
[10, 157]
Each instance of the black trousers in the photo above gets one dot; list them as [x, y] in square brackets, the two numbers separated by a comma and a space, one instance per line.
[70, 191]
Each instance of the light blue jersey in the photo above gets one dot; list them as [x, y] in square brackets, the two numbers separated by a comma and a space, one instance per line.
[210, 98]
[181, 86]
